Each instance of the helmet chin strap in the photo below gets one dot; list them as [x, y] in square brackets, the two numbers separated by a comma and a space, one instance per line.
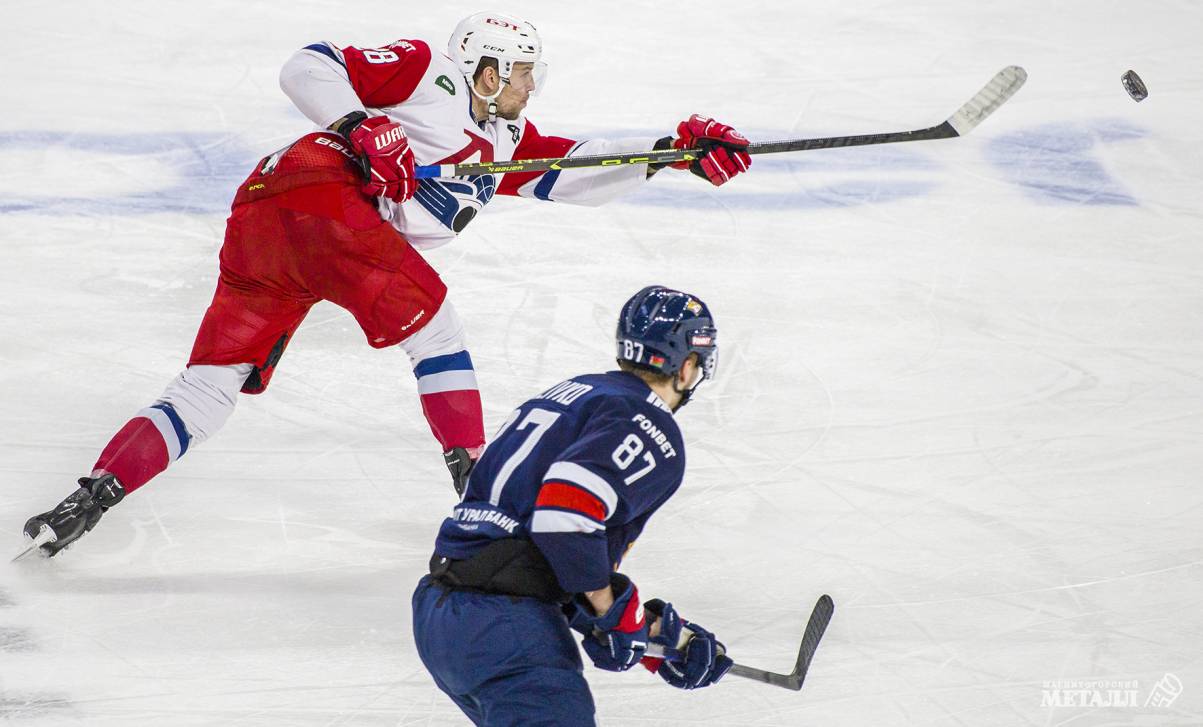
[491, 100]
[686, 394]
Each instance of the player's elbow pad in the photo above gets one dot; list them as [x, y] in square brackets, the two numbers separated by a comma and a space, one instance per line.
[294, 72]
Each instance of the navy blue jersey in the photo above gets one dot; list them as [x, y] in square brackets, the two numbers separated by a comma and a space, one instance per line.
[579, 469]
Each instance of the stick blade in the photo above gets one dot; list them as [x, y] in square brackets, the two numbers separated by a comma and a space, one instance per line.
[815, 628]
[995, 93]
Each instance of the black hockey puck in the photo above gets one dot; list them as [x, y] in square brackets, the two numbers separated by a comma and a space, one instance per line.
[1134, 86]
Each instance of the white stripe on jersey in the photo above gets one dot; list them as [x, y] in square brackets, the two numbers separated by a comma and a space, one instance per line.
[558, 521]
[654, 399]
[447, 381]
[578, 475]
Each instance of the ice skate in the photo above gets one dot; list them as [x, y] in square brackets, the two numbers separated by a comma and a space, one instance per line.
[56, 529]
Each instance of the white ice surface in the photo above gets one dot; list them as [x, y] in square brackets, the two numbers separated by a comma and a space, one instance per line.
[960, 385]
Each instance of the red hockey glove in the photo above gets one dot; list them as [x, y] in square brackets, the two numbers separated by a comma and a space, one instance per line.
[390, 162]
[725, 149]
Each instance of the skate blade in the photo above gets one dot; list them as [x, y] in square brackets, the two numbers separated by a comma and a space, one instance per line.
[45, 535]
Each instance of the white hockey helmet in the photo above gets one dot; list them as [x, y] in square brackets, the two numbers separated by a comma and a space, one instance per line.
[503, 37]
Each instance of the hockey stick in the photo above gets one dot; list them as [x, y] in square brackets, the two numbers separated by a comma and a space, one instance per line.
[819, 618]
[995, 93]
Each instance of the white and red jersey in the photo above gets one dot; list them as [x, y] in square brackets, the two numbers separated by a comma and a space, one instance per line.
[426, 93]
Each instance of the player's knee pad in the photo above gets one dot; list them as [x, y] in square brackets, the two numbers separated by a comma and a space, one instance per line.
[443, 335]
[203, 397]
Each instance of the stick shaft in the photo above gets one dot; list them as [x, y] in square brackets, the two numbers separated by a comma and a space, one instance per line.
[994, 94]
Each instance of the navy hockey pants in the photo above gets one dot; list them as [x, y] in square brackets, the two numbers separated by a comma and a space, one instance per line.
[504, 660]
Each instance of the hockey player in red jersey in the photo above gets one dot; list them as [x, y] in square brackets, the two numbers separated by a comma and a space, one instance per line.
[338, 215]
[467, 106]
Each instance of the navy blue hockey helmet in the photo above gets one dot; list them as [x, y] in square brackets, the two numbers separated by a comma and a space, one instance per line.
[659, 327]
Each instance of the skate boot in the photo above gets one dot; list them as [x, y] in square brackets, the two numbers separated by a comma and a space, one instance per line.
[78, 514]
[460, 462]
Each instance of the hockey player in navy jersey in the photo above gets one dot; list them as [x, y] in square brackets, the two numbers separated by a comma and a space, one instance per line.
[534, 548]
[338, 215]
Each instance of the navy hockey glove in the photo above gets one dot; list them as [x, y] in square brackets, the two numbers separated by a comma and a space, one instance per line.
[694, 658]
[616, 640]
[390, 163]
[724, 149]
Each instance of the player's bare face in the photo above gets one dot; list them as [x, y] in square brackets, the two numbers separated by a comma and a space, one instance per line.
[515, 94]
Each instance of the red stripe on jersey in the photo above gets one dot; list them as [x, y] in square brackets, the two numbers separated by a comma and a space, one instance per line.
[476, 145]
[533, 145]
[567, 496]
[387, 76]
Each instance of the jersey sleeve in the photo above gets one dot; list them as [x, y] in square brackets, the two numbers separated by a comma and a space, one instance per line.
[387, 76]
[326, 82]
[315, 80]
[616, 472]
[533, 145]
[587, 186]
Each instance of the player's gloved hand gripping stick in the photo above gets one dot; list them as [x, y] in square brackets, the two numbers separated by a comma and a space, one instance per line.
[690, 670]
[384, 154]
[693, 658]
[617, 639]
[723, 150]
[1000, 88]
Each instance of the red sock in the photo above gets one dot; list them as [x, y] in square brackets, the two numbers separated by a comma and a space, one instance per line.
[144, 447]
[451, 401]
[455, 418]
